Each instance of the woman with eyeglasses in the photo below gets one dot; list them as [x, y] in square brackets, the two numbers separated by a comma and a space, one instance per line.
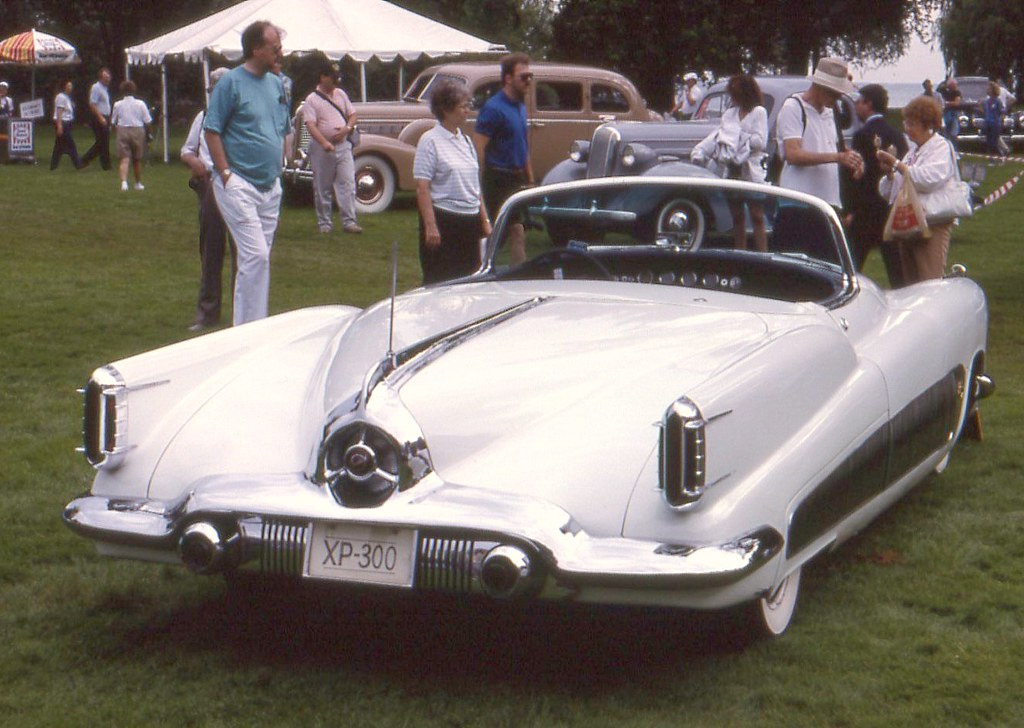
[447, 174]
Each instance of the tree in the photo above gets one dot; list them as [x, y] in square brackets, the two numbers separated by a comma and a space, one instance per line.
[650, 41]
[985, 37]
[522, 25]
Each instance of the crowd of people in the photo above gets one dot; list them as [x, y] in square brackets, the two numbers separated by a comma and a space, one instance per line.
[234, 151]
[861, 181]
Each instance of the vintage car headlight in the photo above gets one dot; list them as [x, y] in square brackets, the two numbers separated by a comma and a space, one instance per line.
[579, 151]
[682, 454]
[105, 418]
[637, 156]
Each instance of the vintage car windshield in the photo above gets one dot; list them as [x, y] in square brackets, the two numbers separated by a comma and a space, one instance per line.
[421, 88]
[675, 232]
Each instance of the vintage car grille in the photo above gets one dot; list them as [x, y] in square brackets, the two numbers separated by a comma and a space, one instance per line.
[445, 564]
[282, 547]
[682, 454]
[603, 150]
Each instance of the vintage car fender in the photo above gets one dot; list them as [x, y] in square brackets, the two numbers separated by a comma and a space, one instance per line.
[566, 171]
[415, 129]
[161, 392]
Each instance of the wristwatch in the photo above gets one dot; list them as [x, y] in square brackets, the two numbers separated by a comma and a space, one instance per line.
[225, 174]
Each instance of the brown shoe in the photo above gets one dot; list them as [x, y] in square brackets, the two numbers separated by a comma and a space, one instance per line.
[353, 228]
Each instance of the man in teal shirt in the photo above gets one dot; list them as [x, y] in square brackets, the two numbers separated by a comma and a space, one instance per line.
[245, 129]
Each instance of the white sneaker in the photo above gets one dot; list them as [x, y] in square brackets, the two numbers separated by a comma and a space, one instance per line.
[139, 186]
[124, 186]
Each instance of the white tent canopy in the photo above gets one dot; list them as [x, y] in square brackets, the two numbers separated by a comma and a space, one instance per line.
[359, 29]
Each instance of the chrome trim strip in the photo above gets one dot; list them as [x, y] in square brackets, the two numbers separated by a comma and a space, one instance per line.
[450, 552]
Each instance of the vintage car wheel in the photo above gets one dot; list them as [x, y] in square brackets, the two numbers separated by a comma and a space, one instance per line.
[682, 222]
[773, 613]
[375, 184]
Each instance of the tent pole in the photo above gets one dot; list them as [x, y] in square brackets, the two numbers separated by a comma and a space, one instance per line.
[33, 82]
[127, 70]
[206, 78]
[362, 78]
[401, 77]
[163, 102]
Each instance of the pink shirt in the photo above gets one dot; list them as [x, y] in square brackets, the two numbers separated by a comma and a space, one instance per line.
[317, 110]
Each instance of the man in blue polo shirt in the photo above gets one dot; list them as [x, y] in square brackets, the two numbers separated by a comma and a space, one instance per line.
[245, 129]
[502, 141]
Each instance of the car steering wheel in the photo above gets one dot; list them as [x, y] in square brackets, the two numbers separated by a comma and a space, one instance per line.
[560, 255]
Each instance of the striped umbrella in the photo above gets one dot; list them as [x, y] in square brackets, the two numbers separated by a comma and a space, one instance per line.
[33, 48]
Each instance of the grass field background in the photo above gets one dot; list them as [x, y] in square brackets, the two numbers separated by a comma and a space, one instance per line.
[918, 621]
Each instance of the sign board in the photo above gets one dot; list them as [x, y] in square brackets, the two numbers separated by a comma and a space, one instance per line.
[31, 109]
[20, 137]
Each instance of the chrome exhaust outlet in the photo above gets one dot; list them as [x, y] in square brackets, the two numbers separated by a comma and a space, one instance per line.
[205, 551]
[506, 573]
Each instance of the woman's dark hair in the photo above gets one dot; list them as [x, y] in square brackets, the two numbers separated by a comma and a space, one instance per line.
[128, 88]
[744, 91]
[446, 97]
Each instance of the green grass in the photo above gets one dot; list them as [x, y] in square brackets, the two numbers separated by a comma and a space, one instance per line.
[918, 621]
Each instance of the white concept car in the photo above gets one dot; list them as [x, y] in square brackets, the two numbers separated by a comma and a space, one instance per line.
[647, 411]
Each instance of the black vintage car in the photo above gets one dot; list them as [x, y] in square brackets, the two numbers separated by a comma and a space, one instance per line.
[663, 148]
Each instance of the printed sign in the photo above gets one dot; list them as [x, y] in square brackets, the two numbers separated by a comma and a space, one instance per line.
[20, 137]
[31, 109]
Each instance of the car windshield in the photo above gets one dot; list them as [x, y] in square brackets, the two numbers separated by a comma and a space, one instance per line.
[706, 233]
[423, 86]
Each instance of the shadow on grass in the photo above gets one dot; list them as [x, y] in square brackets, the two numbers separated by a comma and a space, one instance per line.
[431, 641]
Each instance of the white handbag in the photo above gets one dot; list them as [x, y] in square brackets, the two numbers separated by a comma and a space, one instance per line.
[950, 201]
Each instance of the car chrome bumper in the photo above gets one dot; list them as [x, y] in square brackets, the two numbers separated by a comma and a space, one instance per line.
[267, 519]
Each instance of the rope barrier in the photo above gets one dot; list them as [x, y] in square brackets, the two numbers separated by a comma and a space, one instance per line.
[1003, 189]
[1018, 160]
[1000, 191]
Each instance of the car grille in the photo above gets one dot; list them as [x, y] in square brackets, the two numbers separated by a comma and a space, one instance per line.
[445, 564]
[603, 149]
[283, 546]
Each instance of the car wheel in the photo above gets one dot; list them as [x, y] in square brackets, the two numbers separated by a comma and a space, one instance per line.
[375, 184]
[772, 614]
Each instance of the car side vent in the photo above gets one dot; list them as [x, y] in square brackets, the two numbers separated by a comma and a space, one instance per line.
[682, 454]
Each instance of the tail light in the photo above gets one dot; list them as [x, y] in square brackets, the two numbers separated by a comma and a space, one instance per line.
[105, 418]
[682, 461]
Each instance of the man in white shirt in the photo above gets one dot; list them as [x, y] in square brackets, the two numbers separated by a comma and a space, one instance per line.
[99, 118]
[808, 135]
[213, 234]
[6, 103]
[689, 100]
[131, 118]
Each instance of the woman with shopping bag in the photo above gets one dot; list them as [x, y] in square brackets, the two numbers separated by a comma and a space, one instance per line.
[736, 150]
[925, 192]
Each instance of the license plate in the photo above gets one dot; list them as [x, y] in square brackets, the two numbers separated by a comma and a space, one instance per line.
[367, 554]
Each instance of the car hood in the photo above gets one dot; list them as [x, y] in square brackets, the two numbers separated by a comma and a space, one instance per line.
[559, 399]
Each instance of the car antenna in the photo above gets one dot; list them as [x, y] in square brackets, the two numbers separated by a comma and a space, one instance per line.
[394, 292]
